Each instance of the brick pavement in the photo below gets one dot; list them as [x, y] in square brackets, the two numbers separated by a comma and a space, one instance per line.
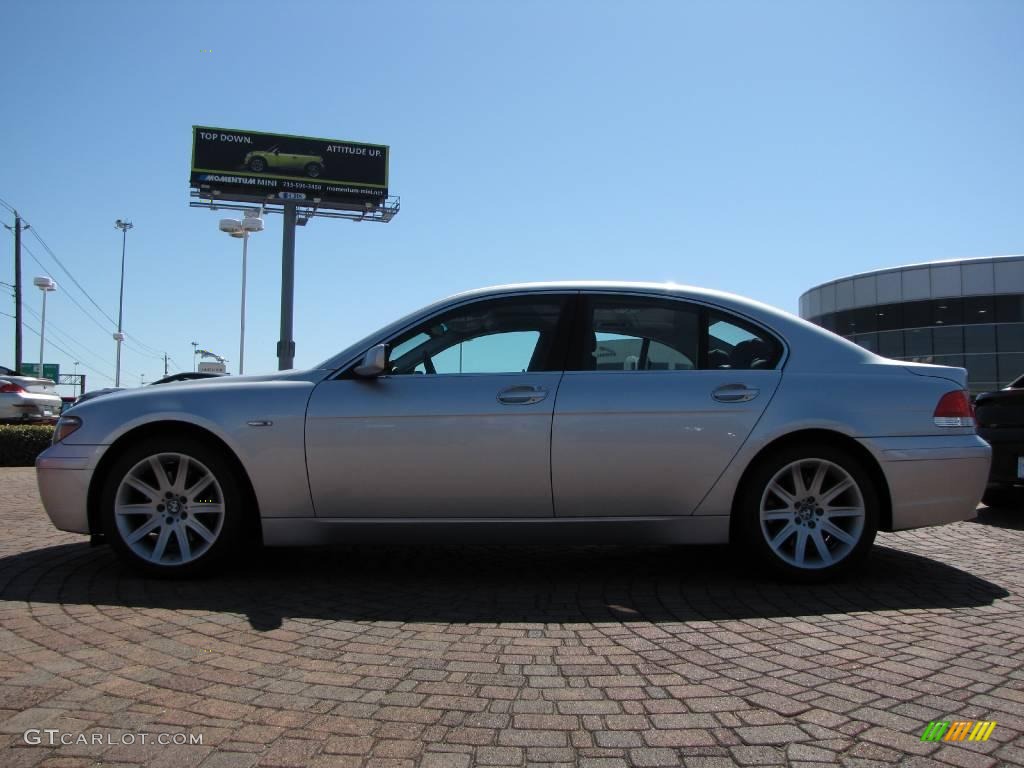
[458, 656]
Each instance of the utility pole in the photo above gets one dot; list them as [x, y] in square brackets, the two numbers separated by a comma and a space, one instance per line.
[18, 229]
[165, 363]
[195, 344]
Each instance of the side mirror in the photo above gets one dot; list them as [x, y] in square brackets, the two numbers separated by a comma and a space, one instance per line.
[375, 362]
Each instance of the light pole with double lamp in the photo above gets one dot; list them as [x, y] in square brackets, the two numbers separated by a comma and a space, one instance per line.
[44, 284]
[124, 226]
[241, 229]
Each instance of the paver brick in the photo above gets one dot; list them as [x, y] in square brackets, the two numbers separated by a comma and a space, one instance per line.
[387, 656]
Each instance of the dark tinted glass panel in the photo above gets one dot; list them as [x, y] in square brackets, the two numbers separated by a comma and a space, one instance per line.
[957, 361]
[1010, 338]
[917, 314]
[947, 311]
[866, 319]
[630, 334]
[889, 317]
[890, 343]
[845, 322]
[868, 341]
[1011, 367]
[828, 321]
[979, 309]
[1010, 309]
[948, 341]
[979, 338]
[981, 368]
[917, 343]
[733, 343]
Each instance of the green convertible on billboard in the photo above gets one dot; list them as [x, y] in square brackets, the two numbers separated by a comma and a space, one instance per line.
[251, 165]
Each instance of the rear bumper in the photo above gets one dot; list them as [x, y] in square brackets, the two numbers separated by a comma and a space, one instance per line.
[30, 406]
[1007, 446]
[934, 479]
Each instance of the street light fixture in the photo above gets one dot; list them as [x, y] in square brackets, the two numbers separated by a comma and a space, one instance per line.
[241, 229]
[124, 226]
[44, 284]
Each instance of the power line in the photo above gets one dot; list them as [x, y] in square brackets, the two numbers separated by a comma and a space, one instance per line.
[69, 354]
[153, 350]
[49, 250]
[69, 340]
[71, 296]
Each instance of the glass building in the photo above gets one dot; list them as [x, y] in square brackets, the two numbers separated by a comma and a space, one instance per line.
[968, 313]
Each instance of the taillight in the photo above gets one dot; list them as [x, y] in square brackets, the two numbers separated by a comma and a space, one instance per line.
[11, 389]
[954, 410]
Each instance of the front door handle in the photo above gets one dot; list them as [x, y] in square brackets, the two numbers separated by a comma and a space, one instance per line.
[522, 395]
[735, 393]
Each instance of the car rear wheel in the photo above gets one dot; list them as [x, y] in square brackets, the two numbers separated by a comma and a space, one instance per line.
[810, 512]
[313, 170]
[257, 165]
[172, 507]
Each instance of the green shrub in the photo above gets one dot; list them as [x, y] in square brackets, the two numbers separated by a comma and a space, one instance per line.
[21, 443]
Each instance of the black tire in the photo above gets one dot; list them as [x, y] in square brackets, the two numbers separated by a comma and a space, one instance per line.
[257, 165]
[313, 170]
[229, 535]
[1003, 497]
[754, 534]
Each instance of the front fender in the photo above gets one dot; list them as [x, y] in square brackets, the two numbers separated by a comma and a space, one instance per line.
[262, 424]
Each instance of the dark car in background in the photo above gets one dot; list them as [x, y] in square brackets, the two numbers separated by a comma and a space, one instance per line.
[183, 376]
[1000, 417]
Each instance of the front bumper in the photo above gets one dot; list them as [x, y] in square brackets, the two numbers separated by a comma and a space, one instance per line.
[64, 473]
[933, 479]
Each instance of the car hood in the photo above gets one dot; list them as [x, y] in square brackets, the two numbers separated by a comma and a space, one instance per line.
[239, 382]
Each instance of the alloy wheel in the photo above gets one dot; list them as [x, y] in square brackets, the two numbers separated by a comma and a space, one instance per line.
[812, 514]
[169, 509]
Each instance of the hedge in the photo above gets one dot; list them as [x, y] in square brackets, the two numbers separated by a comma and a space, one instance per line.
[21, 443]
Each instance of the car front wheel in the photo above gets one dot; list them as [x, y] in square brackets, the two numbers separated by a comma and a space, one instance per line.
[313, 170]
[810, 512]
[257, 165]
[171, 507]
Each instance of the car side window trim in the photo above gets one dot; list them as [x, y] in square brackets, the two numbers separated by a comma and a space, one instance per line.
[705, 309]
[557, 355]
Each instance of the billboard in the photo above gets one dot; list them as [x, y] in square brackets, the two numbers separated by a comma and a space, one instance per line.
[250, 165]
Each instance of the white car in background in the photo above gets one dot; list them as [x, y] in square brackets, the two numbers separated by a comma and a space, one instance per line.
[28, 399]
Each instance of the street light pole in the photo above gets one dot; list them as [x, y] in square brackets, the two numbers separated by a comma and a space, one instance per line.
[45, 284]
[241, 229]
[241, 335]
[124, 226]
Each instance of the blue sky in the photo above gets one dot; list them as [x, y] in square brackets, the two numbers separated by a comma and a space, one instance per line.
[747, 146]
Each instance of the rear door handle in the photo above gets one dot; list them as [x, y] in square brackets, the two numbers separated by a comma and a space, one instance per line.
[522, 395]
[735, 393]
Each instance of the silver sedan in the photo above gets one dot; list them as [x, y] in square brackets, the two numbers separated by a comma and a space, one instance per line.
[573, 412]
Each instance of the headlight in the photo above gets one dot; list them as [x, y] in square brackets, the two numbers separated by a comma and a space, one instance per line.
[66, 425]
